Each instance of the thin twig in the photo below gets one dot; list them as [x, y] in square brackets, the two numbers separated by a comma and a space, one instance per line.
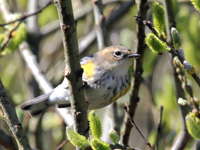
[9, 37]
[82, 12]
[159, 129]
[99, 23]
[135, 126]
[172, 50]
[54, 25]
[28, 15]
[183, 136]
[62, 144]
[138, 70]
[91, 36]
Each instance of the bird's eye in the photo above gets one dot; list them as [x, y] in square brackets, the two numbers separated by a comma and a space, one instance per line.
[117, 53]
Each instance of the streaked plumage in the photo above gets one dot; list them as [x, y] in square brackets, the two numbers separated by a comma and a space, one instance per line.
[106, 75]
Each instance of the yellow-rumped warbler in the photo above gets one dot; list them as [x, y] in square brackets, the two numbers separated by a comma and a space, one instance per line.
[105, 74]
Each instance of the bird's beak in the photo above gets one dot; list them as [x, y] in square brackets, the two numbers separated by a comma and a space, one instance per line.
[133, 55]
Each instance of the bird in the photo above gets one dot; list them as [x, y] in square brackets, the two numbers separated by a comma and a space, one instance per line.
[106, 78]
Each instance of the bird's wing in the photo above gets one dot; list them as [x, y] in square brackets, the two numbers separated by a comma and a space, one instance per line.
[85, 59]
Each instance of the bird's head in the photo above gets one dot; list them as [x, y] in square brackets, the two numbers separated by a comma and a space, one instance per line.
[115, 56]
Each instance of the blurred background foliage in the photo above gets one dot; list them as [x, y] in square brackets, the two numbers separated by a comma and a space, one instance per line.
[47, 131]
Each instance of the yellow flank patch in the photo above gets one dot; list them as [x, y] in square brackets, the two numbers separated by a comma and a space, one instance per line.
[88, 69]
[123, 92]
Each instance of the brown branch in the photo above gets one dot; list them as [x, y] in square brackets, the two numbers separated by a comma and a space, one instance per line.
[185, 86]
[183, 137]
[74, 71]
[135, 126]
[28, 15]
[159, 129]
[62, 144]
[138, 70]
[12, 120]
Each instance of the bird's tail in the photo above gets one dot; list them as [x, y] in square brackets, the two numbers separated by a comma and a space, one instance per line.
[37, 105]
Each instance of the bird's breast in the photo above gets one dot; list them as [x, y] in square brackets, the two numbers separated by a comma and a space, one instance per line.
[106, 90]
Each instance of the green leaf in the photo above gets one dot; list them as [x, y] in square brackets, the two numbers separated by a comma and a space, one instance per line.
[18, 37]
[95, 125]
[193, 125]
[158, 17]
[176, 38]
[97, 144]
[114, 136]
[155, 44]
[196, 4]
[76, 139]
